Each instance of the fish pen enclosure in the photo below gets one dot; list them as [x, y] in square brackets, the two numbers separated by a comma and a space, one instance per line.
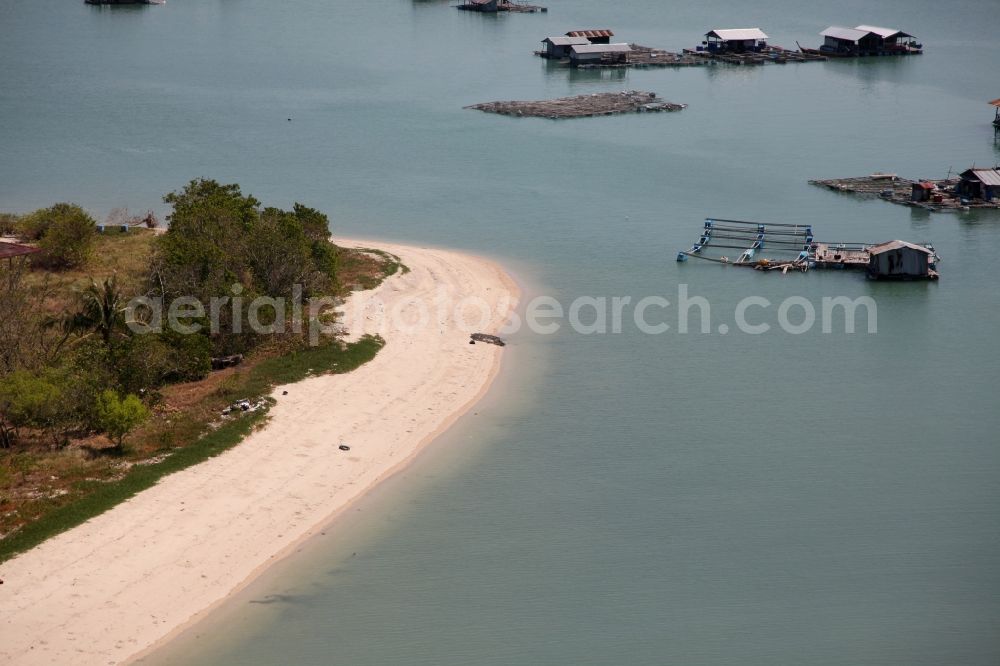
[792, 247]
[582, 106]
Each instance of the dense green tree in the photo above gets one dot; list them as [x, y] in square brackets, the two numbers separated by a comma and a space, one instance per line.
[65, 233]
[316, 226]
[218, 237]
[204, 249]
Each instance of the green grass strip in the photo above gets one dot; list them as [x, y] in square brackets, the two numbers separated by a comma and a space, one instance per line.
[101, 496]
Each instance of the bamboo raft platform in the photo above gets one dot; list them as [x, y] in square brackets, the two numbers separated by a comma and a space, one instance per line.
[582, 106]
[643, 56]
[890, 187]
[792, 248]
[770, 55]
[647, 56]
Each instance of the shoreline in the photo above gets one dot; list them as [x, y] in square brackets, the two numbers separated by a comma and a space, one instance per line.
[48, 605]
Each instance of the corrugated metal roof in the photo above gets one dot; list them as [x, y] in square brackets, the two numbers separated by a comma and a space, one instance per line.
[601, 48]
[849, 34]
[10, 250]
[737, 34]
[566, 41]
[989, 177]
[590, 33]
[896, 245]
[884, 33]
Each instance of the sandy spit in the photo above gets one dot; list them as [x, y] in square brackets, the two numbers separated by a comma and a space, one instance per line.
[126, 581]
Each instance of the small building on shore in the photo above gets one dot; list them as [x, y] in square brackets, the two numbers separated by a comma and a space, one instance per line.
[979, 184]
[899, 260]
[559, 47]
[10, 250]
[593, 36]
[735, 40]
[599, 54]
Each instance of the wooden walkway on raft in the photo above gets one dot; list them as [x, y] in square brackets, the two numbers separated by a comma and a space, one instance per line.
[771, 55]
[583, 106]
[791, 246]
[890, 187]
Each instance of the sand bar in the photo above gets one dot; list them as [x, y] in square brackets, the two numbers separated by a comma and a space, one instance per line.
[127, 580]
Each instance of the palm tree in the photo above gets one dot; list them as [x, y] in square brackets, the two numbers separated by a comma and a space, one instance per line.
[102, 311]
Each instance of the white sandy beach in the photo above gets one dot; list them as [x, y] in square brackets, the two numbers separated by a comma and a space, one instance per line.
[129, 579]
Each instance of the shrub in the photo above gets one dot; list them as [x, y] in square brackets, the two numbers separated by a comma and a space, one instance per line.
[119, 416]
[32, 227]
[147, 361]
[8, 223]
[32, 401]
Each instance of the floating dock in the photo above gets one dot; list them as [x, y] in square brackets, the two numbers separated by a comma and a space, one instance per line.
[583, 106]
[746, 46]
[792, 247]
[945, 195]
[496, 6]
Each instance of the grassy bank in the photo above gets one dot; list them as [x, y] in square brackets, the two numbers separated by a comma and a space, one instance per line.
[98, 496]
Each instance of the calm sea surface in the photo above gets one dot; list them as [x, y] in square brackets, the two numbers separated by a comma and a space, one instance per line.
[684, 499]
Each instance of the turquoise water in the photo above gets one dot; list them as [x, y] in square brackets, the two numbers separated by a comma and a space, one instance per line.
[691, 499]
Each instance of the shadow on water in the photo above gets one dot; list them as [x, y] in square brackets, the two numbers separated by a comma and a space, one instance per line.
[975, 218]
[123, 7]
[922, 219]
[874, 69]
[278, 599]
[577, 75]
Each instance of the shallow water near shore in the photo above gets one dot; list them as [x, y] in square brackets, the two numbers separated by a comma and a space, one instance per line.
[700, 498]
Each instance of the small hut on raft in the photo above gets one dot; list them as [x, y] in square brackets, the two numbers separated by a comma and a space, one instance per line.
[979, 184]
[867, 40]
[603, 54]
[559, 47]
[602, 36]
[734, 40]
[899, 260]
